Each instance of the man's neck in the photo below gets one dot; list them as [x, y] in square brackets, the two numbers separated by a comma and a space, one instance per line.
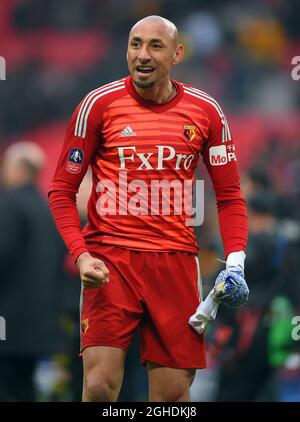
[158, 94]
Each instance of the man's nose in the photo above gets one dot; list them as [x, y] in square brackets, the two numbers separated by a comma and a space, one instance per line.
[144, 55]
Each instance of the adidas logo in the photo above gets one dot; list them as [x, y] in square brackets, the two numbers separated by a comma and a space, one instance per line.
[127, 132]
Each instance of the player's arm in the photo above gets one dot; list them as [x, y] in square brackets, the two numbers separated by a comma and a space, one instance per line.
[219, 156]
[76, 155]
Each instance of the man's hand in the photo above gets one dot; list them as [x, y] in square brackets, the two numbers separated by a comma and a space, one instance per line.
[93, 272]
[231, 288]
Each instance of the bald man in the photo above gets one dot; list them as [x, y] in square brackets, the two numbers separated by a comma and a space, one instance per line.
[137, 256]
[22, 164]
[31, 262]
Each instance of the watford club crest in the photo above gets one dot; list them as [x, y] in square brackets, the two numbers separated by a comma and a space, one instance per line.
[84, 325]
[189, 132]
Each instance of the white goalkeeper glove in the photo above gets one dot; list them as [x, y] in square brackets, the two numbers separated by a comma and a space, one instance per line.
[230, 289]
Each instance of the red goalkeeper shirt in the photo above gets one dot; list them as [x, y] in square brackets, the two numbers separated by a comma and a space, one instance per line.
[143, 157]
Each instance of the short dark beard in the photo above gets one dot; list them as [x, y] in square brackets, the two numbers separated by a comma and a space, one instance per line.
[144, 85]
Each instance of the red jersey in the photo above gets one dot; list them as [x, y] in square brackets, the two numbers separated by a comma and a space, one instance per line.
[143, 156]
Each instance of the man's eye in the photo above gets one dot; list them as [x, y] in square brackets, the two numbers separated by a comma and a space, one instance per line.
[156, 46]
[135, 44]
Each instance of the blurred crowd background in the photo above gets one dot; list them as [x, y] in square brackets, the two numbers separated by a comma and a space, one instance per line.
[240, 52]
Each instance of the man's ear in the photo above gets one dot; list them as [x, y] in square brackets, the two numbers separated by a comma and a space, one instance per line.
[127, 56]
[179, 53]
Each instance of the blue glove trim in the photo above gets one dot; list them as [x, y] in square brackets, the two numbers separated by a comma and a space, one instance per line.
[231, 288]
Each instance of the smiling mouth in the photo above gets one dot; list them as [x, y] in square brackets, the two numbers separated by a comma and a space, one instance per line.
[145, 69]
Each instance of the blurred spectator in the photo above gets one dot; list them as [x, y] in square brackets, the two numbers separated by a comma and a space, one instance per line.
[204, 33]
[266, 249]
[31, 264]
[245, 371]
[255, 180]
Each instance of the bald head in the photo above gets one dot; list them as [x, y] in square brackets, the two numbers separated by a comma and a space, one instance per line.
[153, 50]
[22, 163]
[165, 25]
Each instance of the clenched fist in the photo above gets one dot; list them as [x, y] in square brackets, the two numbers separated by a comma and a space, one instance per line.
[93, 272]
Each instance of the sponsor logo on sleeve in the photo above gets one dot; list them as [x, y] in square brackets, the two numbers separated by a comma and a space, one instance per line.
[75, 160]
[218, 156]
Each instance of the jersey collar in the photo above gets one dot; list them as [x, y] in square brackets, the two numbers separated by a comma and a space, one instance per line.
[156, 108]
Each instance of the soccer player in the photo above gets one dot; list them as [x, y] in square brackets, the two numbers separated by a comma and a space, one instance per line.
[137, 256]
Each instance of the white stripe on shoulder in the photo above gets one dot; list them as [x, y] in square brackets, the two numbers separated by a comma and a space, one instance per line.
[226, 135]
[204, 94]
[195, 93]
[91, 105]
[88, 98]
[227, 130]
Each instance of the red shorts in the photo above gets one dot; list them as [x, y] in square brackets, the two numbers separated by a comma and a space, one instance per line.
[154, 292]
